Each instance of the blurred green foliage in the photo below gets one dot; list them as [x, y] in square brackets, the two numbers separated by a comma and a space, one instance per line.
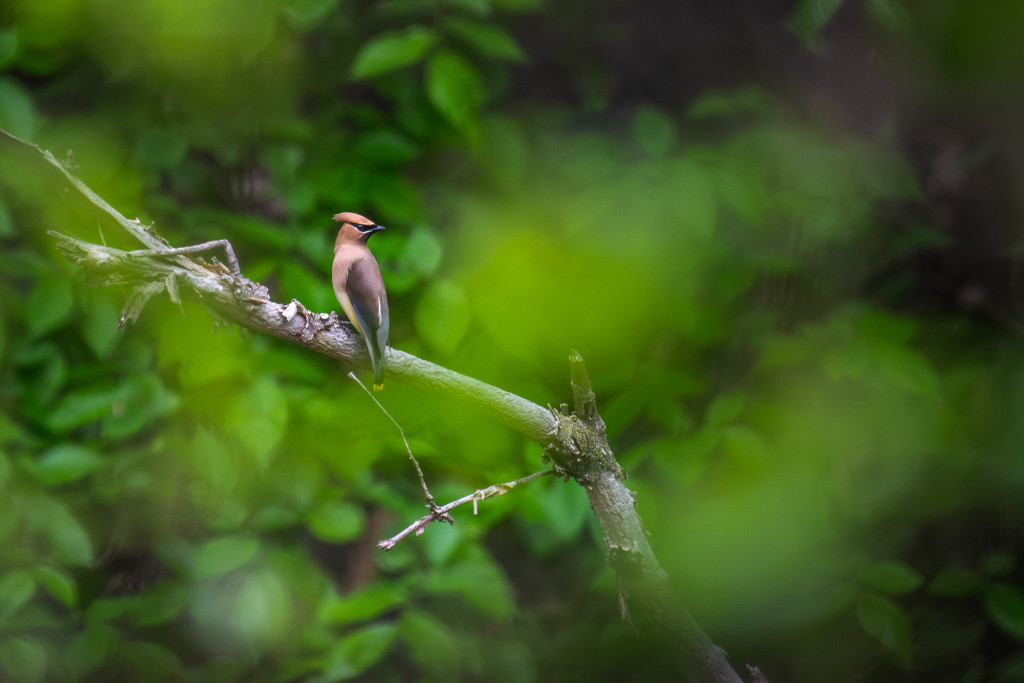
[819, 462]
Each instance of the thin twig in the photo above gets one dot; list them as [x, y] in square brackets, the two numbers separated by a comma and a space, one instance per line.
[442, 512]
[439, 512]
[229, 252]
[423, 482]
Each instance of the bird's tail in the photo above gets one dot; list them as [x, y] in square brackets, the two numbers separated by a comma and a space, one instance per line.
[378, 372]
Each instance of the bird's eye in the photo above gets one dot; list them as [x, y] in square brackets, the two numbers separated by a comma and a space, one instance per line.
[363, 227]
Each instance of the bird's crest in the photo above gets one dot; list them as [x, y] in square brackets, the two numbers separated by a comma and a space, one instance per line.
[355, 219]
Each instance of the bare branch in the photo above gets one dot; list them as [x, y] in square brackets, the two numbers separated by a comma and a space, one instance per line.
[241, 301]
[441, 513]
[229, 252]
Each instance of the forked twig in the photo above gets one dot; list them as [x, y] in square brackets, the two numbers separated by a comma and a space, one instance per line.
[229, 252]
[441, 512]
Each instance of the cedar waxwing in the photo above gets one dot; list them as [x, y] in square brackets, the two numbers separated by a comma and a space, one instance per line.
[360, 287]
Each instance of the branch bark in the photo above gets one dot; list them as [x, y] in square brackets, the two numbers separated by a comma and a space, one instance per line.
[575, 442]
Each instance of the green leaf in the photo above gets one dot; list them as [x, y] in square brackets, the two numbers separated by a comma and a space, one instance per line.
[59, 584]
[216, 466]
[336, 522]
[66, 540]
[846, 360]
[477, 579]
[724, 409]
[956, 582]
[442, 315]
[8, 45]
[810, 16]
[274, 518]
[222, 555]
[160, 603]
[517, 5]
[891, 15]
[390, 51]
[106, 609]
[50, 377]
[433, 647]
[16, 588]
[258, 231]
[88, 650]
[423, 251]
[562, 509]
[906, 368]
[17, 115]
[478, 7]
[258, 417]
[23, 660]
[886, 622]
[715, 104]
[687, 456]
[66, 462]
[997, 564]
[10, 513]
[308, 13]
[261, 612]
[149, 661]
[487, 39]
[160, 147]
[99, 325]
[892, 578]
[6, 223]
[403, 199]
[82, 407]
[455, 88]
[364, 604]
[49, 305]
[138, 403]
[744, 445]
[1005, 605]
[654, 131]
[693, 199]
[5, 471]
[385, 146]
[439, 544]
[358, 651]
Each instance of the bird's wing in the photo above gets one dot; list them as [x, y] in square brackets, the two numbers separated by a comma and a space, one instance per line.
[369, 301]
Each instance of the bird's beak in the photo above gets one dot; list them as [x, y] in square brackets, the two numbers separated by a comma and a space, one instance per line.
[377, 228]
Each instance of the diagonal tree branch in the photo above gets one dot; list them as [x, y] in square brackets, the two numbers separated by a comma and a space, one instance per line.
[241, 301]
[575, 442]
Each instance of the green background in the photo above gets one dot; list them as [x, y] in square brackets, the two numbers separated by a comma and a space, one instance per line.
[784, 236]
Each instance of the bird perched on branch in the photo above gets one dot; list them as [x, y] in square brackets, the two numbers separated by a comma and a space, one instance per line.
[360, 287]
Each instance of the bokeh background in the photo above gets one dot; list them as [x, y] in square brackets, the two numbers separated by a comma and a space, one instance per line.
[784, 235]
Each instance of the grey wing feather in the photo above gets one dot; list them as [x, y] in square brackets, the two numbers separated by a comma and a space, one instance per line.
[365, 288]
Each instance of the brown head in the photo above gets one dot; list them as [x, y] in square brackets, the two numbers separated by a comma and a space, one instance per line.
[354, 228]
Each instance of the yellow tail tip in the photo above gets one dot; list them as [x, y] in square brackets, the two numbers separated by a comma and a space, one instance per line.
[378, 387]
